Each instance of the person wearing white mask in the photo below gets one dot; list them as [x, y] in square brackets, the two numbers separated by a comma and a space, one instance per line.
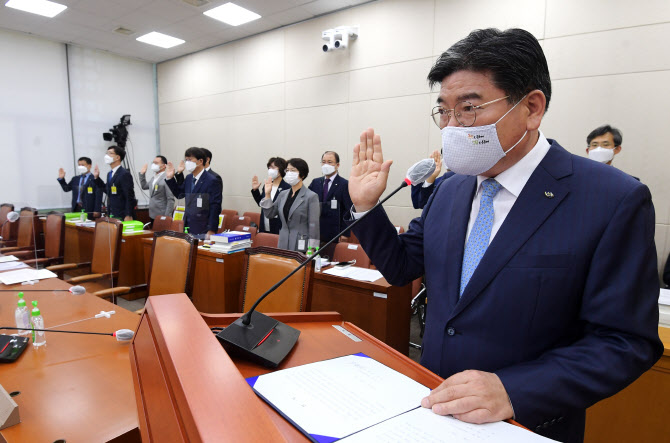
[297, 208]
[119, 188]
[333, 192]
[276, 167]
[202, 191]
[540, 264]
[85, 194]
[161, 200]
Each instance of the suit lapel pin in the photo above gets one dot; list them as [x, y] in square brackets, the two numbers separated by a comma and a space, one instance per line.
[548, 194]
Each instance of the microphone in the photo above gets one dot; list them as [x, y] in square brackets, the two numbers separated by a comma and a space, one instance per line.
[121, 334]
[76, 290]
[11, 218]
[267, 341]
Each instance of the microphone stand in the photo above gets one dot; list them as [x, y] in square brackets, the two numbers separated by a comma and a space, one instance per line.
[245, 338]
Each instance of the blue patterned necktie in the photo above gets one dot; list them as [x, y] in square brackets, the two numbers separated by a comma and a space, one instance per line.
[480, 233]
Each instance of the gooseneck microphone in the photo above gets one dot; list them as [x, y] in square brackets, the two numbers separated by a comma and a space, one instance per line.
[76, 290]
[11, 218]
[253, 329]
[121, 334]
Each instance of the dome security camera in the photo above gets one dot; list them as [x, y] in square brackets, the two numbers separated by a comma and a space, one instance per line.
[329, 36]
[339, 38]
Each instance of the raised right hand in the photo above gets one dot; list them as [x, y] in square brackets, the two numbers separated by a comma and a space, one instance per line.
[255, 184]
[144, 169]
[169, 171]
[181, 167]
[61, 173]
[96, 171]
[369, 172]
[268, 187]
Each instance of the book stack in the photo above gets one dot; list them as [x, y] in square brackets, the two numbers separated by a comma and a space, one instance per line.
[232, 241]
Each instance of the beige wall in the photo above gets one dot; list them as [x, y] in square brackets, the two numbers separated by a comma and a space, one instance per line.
[279, 94]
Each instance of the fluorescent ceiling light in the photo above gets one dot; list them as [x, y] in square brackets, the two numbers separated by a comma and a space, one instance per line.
[41, 7]
[232, 14]
[158, 39]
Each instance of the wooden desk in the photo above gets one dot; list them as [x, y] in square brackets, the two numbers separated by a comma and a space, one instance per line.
[79, 249]
[378, 308]
[639, 413]
[77, 387]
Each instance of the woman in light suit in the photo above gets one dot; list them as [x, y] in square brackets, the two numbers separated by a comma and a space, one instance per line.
[298, 209]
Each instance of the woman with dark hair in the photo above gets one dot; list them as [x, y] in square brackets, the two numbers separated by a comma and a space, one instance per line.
[298, 208]
[276, 170]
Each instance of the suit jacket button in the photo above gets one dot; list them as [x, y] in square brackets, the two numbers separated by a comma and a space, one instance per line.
[545, 425]
[451, 331]
[553, 421]
[538, 428]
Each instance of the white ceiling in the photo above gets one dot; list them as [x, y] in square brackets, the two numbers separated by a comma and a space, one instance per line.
[91, 23]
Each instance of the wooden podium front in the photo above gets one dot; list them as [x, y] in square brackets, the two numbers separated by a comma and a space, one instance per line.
[189, 389]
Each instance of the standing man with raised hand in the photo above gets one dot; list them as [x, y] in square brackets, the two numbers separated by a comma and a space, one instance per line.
[85, 194]
[333, 193]
[119, 188]
[540, 265]
[202, 191]
[161, 200]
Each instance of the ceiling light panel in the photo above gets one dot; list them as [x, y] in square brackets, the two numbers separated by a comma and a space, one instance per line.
[232, 14]
[158, 39]
[41, 7]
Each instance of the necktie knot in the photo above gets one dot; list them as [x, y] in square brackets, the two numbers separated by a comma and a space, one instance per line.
[490, 188]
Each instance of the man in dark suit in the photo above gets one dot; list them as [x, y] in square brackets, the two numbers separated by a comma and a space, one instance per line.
[333, 194]
[540, 265]
[202, 191]
[422, 192]
[119, 188]
[85, 194]
[179, 175]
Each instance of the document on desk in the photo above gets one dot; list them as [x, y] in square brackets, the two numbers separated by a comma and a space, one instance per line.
[353, 395]
[354, 273]
[8, 266]
[22, 275]
[664, 297]
[6, 258]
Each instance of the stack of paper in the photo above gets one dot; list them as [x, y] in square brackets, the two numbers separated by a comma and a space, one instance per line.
[6, 258]
[365, 401]
[8, 266]
[14, 277]
[354, 273]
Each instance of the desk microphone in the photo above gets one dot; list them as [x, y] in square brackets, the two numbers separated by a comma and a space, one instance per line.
[121, 334]
[267, 341]
[11, 218]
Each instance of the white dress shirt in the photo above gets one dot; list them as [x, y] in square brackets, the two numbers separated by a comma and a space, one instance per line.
[115, 169]
[197, 177]
[156, 178]
[331, 178]
[512, 180]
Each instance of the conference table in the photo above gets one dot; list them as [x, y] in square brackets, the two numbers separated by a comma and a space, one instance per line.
[76, 388]
[378, 307]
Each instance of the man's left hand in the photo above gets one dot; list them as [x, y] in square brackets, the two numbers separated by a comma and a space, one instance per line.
[209, 234]
[471, 396]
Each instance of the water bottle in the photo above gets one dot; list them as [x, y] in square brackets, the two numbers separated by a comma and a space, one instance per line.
[22, 315]
[39, 337]
[317, 261]
[83, 216]
[309, 252]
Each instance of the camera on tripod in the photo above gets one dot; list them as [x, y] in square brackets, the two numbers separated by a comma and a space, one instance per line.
[118, 133]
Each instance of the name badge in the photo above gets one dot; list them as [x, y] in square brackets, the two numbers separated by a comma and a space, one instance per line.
[333, 204]
[90, 190]
[113, 190]
[156, 187]
[198, 202]
[301, 245]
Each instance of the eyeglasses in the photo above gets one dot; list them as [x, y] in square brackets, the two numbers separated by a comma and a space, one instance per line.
[465, 113]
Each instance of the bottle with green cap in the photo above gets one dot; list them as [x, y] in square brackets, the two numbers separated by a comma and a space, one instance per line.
[83, 216]
[22, 315]
[317, 260]
[39, 337]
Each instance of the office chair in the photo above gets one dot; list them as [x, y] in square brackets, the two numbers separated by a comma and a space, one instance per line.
[104, 266]
[351, 251]
[162, 223]
[171, 268]
[266, 239]
[229, 219]
[54, 245]
[10, 230]
[254, 216]
[263, 267]
[241, 220]
[27, 233]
